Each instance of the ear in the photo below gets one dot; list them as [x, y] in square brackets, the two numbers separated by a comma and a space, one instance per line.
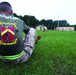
[11, 13]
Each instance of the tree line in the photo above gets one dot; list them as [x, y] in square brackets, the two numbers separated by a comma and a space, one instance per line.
[50, 24]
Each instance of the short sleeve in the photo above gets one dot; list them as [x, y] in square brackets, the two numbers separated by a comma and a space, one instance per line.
[25, 27]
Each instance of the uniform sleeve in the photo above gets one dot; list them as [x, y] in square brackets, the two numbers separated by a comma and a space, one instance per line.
[25, 28]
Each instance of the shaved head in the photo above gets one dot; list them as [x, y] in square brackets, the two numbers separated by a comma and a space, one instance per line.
[5, 7]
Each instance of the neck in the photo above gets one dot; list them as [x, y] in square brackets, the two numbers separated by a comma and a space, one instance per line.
[5, 13]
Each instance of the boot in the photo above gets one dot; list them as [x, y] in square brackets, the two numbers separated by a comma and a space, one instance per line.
[38, 38]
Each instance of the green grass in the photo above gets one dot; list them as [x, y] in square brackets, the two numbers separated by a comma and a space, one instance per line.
[54, 54]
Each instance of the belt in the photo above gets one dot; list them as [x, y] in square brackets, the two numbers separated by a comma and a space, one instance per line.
[13, 56]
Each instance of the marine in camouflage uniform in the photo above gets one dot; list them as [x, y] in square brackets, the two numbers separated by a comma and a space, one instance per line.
[22, 50]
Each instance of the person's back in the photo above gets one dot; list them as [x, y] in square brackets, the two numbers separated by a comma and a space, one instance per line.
[15, 48]
[20, 49]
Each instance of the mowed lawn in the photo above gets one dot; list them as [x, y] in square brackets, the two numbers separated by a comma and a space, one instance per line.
[54, 54]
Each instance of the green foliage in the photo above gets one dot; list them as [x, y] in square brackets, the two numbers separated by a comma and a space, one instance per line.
[54, 54]
[50, 24]
[62, 23]
[28, 19]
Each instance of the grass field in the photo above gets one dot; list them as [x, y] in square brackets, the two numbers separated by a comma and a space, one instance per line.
[54, 54]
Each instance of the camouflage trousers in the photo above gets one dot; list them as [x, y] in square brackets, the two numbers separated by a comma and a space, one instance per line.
[29, 43]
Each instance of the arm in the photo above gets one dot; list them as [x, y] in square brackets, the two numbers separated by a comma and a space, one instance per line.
[26, 28]
[26, 31]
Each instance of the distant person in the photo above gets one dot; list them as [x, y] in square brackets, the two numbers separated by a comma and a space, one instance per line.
[70, 30]
[62, 29]
[44, 29]
[13, 47]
